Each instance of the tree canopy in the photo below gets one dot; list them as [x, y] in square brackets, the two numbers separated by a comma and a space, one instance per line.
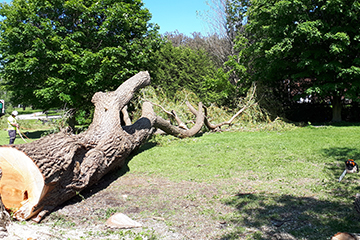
[191, 68]
[60, 52]
[303, 47]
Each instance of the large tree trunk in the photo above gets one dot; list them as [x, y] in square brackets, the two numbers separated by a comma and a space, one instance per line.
[40, 175]
[337, 107]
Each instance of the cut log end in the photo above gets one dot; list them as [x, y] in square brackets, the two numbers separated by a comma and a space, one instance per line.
[22, 184]
[344, 236]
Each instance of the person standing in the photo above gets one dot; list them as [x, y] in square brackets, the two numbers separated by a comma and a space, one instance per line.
[12, 125]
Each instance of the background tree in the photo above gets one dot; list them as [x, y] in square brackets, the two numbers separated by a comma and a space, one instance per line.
[225, 22]
[177, 67]
[56, 53]
[216, 47]
[180, 67]
[303, 47]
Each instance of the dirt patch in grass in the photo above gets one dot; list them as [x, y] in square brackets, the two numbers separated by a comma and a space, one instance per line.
[223, 209]
[172, 210]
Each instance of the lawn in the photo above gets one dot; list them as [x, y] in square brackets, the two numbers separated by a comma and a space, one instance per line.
[274, 182]
[284, 181]
[31, 130]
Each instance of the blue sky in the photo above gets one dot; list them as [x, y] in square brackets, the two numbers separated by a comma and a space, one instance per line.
[173, 15]
[179, 15]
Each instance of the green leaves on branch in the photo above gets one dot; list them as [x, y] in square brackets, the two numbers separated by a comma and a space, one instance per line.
[287, 42]
[218, 89]
[176, 68]
[62, 52]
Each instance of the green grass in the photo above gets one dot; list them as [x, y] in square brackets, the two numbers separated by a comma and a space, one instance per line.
[263, 155]
[268, 176]
[31, 129]
[280, 180]
[31, 135]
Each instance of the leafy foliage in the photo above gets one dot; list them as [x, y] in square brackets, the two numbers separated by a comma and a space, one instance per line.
[297, 40]
[181, 67]
[218, 89]
[56, 53]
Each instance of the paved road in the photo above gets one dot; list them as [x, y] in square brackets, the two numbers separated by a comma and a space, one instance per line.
[36, 115]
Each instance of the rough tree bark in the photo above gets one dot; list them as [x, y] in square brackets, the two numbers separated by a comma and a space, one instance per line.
[40, 175]
[337, 107]
[4, 217]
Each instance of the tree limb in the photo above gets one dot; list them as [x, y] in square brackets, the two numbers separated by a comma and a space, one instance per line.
[214, 127]
[178, 131]
[175, 116]
[126, 117]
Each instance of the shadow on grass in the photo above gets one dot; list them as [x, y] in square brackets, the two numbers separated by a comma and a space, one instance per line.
[302, 217]
[102, 184]
[34, 134]
[341, 154]
[106, 180]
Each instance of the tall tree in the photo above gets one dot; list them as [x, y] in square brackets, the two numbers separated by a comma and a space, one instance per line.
[183, 67]
[217, 47]
[313, 45]
[60, 52]
[225, 22]
[185, 62]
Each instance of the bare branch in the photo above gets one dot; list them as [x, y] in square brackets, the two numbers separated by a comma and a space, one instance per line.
[213, 127]
[178, 120]
[173, 115]
[178, 131]
[126, 117]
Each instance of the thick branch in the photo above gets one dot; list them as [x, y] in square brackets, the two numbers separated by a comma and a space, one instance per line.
[180, 132]
[55, 168]
[126, 117]
[213, 127]
[175, 116]
[108, 105]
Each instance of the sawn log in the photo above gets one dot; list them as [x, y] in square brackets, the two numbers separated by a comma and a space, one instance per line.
[40, 175]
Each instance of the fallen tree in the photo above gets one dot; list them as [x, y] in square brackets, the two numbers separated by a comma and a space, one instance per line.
[40, 175]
